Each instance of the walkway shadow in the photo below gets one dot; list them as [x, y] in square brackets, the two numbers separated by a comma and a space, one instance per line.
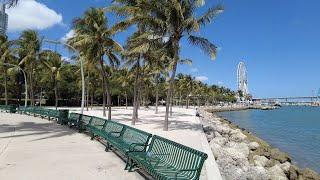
[33, 128]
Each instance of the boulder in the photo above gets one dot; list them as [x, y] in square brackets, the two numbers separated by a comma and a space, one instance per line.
[276, 173]
[217, 150]
[240, 147]
[219, 140]
[260, 160]
[216, 134]
[253, 145]
[232, 172]
[237, 136]
[257, 173]
[280, 156]
[208, 129]
[285, 167]
[308, 174]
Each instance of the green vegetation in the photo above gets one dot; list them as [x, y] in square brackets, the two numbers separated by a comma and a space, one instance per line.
[142, 72]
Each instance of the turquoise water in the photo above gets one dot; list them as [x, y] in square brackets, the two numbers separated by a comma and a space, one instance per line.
[292, 129]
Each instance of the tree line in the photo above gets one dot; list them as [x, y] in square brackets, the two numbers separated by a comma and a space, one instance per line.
[141, 72]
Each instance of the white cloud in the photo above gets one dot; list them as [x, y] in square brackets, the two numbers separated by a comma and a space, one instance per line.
[69, 34]
[202, 78]
[30, 14]
[194, 70]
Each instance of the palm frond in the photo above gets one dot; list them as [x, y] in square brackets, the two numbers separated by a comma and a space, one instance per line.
[210, 15]
[204, 44]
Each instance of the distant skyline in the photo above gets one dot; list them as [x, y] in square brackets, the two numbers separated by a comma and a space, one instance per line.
[277, 40]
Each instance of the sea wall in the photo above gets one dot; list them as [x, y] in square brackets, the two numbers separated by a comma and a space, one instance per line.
[241, 155]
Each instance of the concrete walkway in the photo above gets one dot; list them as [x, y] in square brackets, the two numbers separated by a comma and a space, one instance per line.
[184, 128]
[35, 149]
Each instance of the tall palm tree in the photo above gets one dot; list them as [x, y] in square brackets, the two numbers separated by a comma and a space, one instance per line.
[178, 20]
[52, 61]
[28, 49]
[5, 57]
[94, 39]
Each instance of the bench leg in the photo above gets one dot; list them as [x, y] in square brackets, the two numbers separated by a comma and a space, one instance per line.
[92, 136]
[127, 163]
[107, 147]
[131, 165]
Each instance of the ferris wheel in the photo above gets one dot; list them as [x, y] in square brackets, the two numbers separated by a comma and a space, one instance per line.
[242, 78]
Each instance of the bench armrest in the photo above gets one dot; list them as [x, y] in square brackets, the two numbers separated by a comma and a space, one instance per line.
[184, 170]
[132, 147]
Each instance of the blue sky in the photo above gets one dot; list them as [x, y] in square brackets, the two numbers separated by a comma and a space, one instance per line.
[278, 41]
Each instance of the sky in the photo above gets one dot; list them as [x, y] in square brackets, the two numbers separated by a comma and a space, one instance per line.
[277, 40]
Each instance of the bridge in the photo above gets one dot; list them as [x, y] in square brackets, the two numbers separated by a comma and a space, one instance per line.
[289, 100]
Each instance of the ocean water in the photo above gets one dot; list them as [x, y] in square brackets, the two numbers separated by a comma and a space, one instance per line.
[292, 129]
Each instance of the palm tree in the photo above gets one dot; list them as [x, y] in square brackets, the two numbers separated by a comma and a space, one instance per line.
[29, 47]
[174, 19]
[94, 39]
[52, 61]
[5, 57]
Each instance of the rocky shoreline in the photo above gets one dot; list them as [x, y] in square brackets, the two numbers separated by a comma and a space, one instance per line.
[241, 155]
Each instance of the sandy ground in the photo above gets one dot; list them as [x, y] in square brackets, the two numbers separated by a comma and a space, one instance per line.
[35, 149]
[184, 128]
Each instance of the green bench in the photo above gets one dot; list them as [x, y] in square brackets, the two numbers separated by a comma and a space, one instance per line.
[119, 136]
[83, 122]
[73, 119]
[166, 159]
[4, 108]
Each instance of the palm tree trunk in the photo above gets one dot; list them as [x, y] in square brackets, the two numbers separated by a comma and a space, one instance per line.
[180, 99]
[135, 95]
[87, 99]
[157, 98]
[108, 100]
[91, 100]
[171, 104]
[170, 92]
[126, 100]
[56, 93]
[118, 100]
[103, 88]
[6, 86]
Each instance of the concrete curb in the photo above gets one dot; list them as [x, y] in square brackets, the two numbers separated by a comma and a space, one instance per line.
[213, 172]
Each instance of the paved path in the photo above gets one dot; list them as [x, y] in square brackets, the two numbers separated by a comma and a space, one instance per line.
[36, 149]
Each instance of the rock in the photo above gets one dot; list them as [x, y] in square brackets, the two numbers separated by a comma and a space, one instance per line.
[219, 140]
[293, 175]
[208, 129]
[216, 134]
[276, 173]
[217, 150]
[272, 162]
[285, 167]
[237, 136]
[253, 145]
[260, 160]
[232, 172]
[308, 174]
[240, 147]
[257, 173]
[223, 129]
[280, 156]
[210, 137]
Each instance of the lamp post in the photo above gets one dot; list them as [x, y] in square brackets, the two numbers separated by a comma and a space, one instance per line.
[81, 67]
[25, 81]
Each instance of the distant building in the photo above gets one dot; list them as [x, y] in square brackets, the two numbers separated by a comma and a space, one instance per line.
[3, 19]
